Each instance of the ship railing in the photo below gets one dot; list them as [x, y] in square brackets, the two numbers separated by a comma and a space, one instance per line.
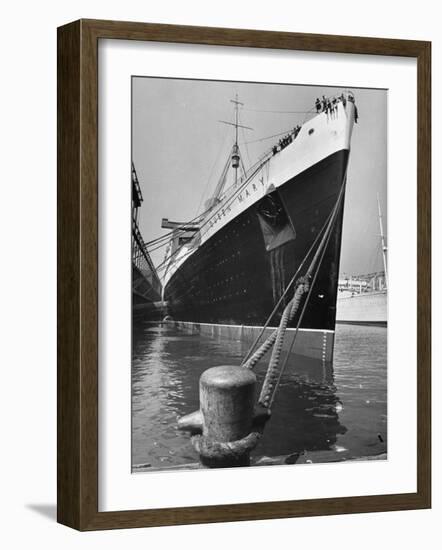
[234, 189]
[270, 152]
[343, 97]
[227, 198]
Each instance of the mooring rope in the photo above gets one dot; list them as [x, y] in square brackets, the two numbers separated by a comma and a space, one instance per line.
[273, 373]
[292, 307]
[283, 295]
[276, 380]
[271, 376]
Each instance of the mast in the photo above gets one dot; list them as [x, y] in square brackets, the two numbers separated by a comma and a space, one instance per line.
[235, 149]
[384, 247]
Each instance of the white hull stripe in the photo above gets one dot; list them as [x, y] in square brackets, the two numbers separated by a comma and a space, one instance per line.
[256, 327]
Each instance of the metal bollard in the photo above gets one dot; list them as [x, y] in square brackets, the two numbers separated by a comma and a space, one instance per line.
[227, 426]
[227, 398]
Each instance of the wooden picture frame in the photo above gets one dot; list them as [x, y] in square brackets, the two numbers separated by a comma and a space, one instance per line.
[78, 274]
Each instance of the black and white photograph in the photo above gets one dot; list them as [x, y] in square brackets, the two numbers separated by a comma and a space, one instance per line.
[220, 235]
[259, 274]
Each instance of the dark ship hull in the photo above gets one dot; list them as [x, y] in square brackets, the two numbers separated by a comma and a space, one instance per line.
[237, 276]
[226, 274]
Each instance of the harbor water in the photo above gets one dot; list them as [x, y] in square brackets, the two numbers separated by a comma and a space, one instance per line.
[320, 414]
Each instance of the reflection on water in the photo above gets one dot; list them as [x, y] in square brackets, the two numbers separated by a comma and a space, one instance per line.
[342, 410]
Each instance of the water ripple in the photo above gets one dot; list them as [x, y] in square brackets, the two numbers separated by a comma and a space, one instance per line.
[341, 409]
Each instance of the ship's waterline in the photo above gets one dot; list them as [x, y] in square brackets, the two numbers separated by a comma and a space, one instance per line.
[232, 279]
[233, 265]
[316, 344]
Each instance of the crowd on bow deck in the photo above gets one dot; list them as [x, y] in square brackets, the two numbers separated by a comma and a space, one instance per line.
[286, 140]
[329, 106]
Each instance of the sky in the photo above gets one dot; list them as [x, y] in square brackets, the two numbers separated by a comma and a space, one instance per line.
[179, 148]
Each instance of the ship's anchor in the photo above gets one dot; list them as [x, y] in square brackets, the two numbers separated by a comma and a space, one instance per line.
[229, 425]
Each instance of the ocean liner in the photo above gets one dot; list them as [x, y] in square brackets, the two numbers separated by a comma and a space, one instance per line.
[225, 271]
[362, 299]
